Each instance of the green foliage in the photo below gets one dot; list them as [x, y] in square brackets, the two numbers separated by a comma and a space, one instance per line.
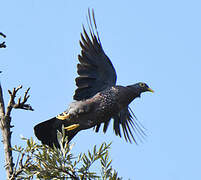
[43, 162]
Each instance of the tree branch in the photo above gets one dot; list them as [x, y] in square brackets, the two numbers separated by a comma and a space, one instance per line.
[21, 166]
[6, 121]
[2, 108]
[3, 35]
[6, 134]
[2, 45]
[20, 104]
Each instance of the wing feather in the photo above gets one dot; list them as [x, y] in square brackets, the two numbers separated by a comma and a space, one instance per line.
[127, 122]
[95, 69]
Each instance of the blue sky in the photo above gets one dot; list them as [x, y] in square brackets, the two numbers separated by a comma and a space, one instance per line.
[158, 42]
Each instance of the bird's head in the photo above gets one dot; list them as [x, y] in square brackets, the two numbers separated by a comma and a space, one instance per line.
[139, 88]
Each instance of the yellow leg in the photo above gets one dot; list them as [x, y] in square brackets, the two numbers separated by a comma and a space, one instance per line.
[64, 116]
[71, 127]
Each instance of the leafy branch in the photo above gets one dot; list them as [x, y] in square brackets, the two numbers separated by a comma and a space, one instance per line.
[43, 162]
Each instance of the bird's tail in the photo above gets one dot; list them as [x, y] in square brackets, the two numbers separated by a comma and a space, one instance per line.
[46, 132]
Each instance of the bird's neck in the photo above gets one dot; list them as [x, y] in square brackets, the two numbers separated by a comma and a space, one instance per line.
[133, 93]
[127, 95]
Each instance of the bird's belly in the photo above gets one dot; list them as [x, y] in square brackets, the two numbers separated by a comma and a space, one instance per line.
[89, 114]
[92, 118]
[102, 115]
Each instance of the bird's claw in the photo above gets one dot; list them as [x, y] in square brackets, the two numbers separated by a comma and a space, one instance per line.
[72, 127]
[63, 116]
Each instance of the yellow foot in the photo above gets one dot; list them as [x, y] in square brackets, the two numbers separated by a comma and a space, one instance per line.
[71, 127]
[63, 116]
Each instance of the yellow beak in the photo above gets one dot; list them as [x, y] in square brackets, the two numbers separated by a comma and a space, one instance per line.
[151, 90]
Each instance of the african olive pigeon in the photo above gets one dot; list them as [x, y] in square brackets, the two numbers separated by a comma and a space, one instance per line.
[97, 98]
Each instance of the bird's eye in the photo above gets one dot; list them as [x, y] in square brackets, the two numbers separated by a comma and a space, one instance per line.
[142, 85]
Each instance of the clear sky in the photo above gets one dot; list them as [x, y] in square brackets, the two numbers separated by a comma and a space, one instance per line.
[158, 42]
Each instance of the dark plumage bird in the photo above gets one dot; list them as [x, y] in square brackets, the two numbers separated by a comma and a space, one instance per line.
[97, 98]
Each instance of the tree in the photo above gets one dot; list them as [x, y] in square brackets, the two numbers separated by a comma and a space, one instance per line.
[44, 162]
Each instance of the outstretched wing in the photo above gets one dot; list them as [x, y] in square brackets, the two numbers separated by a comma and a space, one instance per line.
[126, 120]
[95, 69]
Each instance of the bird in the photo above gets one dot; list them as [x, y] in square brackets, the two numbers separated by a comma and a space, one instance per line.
[97, 99]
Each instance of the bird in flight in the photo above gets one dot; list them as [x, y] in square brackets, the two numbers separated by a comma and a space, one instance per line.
[97, 98]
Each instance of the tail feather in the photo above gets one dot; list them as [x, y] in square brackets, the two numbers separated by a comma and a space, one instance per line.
[46, 132]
